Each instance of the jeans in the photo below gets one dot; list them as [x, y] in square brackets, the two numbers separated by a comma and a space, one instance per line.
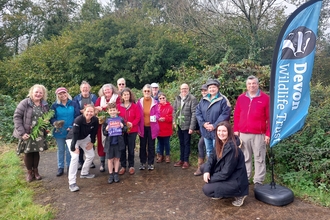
[209, 144]
[164, 143]
[62, 151]
[184, 138]
[130, 140]
[147, 139]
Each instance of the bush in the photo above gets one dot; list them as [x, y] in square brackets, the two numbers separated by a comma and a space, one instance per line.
[7, 108]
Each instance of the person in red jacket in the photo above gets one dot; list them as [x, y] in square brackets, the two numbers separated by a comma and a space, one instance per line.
[165, 122]
[251, 123]
[130, 112]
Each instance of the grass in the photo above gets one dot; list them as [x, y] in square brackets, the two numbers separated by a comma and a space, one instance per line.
[16, 194]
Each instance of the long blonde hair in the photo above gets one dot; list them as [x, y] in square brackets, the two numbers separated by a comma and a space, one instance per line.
[43, 88]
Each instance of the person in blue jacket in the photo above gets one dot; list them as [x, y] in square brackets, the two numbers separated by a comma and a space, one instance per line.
[66, 111]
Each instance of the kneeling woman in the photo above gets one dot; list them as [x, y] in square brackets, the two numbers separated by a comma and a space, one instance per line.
[224, 172]
[83, 135]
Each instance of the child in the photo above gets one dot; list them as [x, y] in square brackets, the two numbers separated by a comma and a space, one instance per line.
[113, 129]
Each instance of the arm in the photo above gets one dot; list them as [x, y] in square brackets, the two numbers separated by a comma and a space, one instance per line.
[225, 112]
[104, 128]
[199, 114]
[237, 115]
[94, 130]
[75, 133]
[53, 119]
[193, 115]
[137, 114]
[169, 115]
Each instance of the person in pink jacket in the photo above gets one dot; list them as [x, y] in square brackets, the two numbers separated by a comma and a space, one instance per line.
[148, 127]
[251, 123]
[165, 127]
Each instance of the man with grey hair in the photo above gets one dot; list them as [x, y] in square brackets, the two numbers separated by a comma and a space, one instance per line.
[121, 84]
[251, 123]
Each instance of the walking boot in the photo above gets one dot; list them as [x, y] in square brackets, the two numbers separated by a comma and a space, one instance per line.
[102, 166]
[198, 171]
[29, 176]
[159, 159]
[36, 174]
[168, 160]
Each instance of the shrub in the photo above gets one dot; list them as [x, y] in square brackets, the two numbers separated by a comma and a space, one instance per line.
[7, 108]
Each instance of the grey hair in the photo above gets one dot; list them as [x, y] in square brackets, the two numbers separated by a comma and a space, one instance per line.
[148, 86]
[253, 78]
[109, 85]
[84, 83]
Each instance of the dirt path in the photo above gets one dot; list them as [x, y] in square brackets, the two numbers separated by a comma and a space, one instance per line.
[166, 193]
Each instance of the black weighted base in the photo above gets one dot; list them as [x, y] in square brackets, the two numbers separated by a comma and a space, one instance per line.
[277, 196]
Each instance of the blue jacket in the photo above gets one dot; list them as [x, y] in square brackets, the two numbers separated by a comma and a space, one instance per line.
[214, 112]
[67, 113]
[78, 99]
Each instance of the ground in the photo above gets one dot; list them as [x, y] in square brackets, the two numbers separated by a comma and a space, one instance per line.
[167, 192]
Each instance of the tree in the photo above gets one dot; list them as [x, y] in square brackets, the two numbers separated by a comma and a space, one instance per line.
[90, 10]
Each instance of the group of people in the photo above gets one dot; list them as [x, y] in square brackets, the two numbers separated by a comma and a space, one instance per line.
[79, 124]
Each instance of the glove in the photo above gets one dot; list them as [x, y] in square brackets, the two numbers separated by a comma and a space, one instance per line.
[73, 148]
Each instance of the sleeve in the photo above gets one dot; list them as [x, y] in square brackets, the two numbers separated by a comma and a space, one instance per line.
[76, 109]
[97, 102]
[225, 112]
[53, 119]
[125, 126]
[193, 114]
[237, 115]
[267, 118]
[199, 114]
[169, 115]
[75, 132]
[104, 130]
[137, 115]
[18, 118]
[210, 163]
[94, 130]
[175, 108]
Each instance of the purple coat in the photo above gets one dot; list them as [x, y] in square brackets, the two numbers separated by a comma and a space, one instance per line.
[154, 111]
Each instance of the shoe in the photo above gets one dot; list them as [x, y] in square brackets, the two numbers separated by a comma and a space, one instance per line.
[87, 176]
[116, 178]
[179, 163]
[239, 201]
[60, 172]
[131, 170]
[257, 185]
[36, 174]
[160, 159]
[110, 180]
[198, 172]
[122, 170]
[167, 159]
[151, 167]
[102, 166]
[142, 166]
[92, 166]
[29, 176]
[215, 198]
[80, 165]
[73, 187]
[185, 165]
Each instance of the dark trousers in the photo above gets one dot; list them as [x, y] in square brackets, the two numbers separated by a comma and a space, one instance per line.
[81, 156]
[31, 160]
[201, 148]
[208, 188]
[147, 139]
[130, 140]
[164, 143]
[184, 138]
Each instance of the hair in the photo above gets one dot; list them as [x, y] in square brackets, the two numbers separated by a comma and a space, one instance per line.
[89, 106]
[253, 78]
[84, 83]
[131, 95]
[161, 94]
[111, 105]
[43, 88]
[109, 85]
[219, 144]
[58, 101]
[120, 79]
[146, 86]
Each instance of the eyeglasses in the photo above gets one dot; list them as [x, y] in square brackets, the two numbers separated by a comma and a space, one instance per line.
[161, 98]
[121, 84]
[146, 91]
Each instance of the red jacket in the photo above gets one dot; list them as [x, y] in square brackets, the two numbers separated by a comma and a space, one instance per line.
[130, 114]
[165, 127]
[251, 116]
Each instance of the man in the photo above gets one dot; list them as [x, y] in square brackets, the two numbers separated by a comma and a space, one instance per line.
[84, 98]
[121, 84]
[251, 123]
[185, 119]
[154, 90]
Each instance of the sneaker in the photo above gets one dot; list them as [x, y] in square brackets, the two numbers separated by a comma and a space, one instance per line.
[131, 170]
[116, 178]
[257, 185]
[92, 166]
[151, 167]
[142, 166]
[239, 201]
[73, 187]
[110, 180]
[80, 166]
[215, 198]
[87, 176]
[122, 170]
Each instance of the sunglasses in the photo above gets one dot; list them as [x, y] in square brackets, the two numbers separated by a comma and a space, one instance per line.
[146, 91]
[121, 84]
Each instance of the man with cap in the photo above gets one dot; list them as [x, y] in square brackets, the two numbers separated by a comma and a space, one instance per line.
[211, 110]
[154, 90]
[251, 124]
[121, 84]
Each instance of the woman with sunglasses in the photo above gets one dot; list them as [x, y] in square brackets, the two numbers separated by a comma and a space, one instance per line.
[148, 127]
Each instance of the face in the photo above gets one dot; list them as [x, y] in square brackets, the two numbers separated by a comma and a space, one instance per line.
[89, 113]
[154, 90]
[112, 112]
[125, 96]
[62, 96]
[162, 99]
[37, 94]
[107, 92]
[85, 89]
[212, 90]
[184, 90]
[204, 92]
[121, 85]
[146, 92]
[222, 133]
[252, 86]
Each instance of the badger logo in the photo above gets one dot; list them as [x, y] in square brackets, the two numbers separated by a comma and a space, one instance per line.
[299, 43]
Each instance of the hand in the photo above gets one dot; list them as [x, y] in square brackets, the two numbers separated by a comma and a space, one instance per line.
[236, 133]
[129, 124]
[121, 125]
[190, 131]
[89, 146]
[25, 136]
[206, 177]
[267, 139]
[162, 119]
[73, 148]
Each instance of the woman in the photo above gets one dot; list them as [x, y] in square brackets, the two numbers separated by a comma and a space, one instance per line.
[148, 127]
[224, 172]
[83, 135]
[130, 112]
[107, 94]
[25, 117]
[66, 111]
[165, 127]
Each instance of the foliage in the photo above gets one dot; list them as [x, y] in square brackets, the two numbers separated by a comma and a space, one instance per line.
[7, 108]
[42, 124]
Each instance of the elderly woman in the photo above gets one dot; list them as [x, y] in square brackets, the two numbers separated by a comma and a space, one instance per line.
[25, 116]
[148, 127]
[107, 94]
[130, 112]
[66, 111]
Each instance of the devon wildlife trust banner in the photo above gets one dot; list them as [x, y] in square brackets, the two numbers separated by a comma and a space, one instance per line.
[291, 72]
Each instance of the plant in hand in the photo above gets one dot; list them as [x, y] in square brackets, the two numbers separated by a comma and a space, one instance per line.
[42, 124]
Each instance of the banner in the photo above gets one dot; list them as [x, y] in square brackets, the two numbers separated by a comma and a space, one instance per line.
[292, 67]
[114, 126]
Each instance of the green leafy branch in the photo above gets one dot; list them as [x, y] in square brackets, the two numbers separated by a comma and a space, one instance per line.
[179, 120]
[42, 124]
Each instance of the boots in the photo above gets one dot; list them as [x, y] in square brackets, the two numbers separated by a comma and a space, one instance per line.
[159, 159]
[167, 159]
[198, 171]
[36, 174]
[29, 176]
[102, 167]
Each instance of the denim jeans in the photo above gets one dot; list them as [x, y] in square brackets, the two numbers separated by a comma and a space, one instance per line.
[62, 152]
[164, 143]
[184, 138]
[209, 144]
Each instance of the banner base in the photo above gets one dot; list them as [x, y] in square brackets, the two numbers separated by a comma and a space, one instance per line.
[274, 195]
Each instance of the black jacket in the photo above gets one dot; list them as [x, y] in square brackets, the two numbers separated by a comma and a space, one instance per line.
[108, 138]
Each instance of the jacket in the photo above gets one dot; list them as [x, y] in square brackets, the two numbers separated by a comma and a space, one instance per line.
[67, 113]
[130, 114]
[229, 171]
[109, 139]
[78, 99]
[23, 117]
[154, 111]
[214, 112]
[251, 116]
[165, 127]
[188, 111]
